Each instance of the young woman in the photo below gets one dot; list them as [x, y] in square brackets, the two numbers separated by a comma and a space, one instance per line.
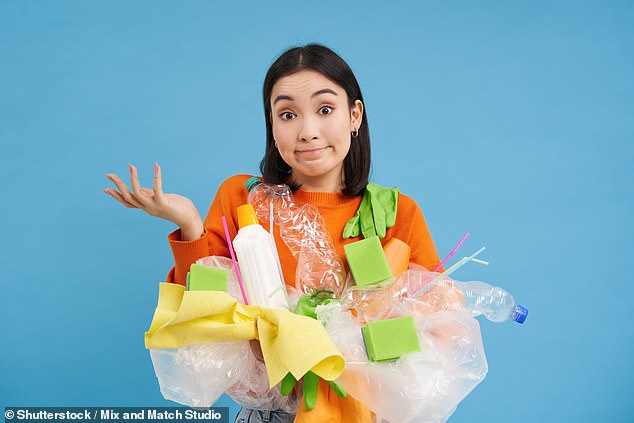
[317, 142]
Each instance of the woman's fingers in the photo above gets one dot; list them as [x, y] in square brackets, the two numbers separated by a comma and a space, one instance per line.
[136, 186]
[114, 194]
[158, 183]
[147, 192]
[123, 190]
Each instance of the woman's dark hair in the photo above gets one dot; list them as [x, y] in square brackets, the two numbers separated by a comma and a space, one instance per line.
[356, 165]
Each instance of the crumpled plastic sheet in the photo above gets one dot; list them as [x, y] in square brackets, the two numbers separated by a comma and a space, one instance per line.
[304, 231]
[419, 387]
[398, 299]
[197, 375]
[252, 389]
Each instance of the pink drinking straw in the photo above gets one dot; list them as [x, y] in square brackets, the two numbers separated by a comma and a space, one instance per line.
[452, 252]
[233, 258]
[429, 278]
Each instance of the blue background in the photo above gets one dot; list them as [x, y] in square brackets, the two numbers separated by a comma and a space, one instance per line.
[510, 120]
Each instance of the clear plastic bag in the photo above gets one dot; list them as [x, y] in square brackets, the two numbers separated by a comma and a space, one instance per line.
[197, 375]
[419, 387]
[252, 389]
[304, 231]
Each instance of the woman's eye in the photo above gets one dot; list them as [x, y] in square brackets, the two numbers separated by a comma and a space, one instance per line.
[287, 116]
[326, 110]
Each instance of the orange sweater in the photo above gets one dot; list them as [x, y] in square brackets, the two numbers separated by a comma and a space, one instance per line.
[336, 210]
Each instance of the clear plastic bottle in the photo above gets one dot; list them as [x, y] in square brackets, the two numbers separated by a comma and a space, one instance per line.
[257, 259]
[304, 232]
[493, 302]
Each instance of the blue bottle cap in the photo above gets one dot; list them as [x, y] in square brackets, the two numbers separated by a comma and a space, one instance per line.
[252, 182]
[519, 314]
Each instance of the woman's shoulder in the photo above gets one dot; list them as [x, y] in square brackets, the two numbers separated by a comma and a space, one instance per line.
[407, 206]
[406, 200]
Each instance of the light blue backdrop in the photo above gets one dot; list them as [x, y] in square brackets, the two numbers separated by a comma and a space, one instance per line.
[510, 120]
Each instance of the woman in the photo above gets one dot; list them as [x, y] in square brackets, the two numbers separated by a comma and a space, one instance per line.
[317, 142]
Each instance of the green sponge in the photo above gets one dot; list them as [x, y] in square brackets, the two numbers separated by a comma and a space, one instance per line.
[389, 339]
[205, 278]
[367, 261]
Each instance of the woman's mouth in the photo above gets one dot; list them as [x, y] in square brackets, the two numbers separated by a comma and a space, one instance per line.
[312, 151]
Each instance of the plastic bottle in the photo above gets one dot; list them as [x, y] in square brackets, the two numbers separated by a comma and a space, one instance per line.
[304, 232]
[493, 302]
[261, 195]
[258, 263]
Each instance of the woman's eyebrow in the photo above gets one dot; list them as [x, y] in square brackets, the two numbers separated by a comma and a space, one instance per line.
[323, 91]
[315, 94]
[282, 97]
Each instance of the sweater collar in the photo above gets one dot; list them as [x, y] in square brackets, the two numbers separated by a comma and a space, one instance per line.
[324, 199]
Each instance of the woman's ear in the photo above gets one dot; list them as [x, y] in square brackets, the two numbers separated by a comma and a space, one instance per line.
[356, 115]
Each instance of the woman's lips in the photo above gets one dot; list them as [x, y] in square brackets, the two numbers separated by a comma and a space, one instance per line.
[312, 151]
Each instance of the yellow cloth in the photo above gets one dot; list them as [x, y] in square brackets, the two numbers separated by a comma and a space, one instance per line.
[290, 342]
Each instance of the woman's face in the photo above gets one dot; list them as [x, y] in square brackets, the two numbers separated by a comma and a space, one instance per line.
[312, 123]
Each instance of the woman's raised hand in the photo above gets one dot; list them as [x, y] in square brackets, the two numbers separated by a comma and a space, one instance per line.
[173, 207]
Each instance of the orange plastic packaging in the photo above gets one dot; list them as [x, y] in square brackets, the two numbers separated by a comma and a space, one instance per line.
[398, 254]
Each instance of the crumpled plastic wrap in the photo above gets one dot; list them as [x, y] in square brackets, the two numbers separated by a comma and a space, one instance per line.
[252, 389]
[304, 232]
[415, 291]
[197, 375]
[419, 387]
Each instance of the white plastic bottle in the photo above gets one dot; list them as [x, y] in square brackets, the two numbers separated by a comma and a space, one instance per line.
[257, 260]
[493, 302]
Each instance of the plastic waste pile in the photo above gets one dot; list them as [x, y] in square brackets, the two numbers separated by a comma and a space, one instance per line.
[411, 344]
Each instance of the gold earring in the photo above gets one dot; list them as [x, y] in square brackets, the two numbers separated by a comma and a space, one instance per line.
[355, 133]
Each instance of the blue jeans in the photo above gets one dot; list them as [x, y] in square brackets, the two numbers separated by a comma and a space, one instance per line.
[247, 415]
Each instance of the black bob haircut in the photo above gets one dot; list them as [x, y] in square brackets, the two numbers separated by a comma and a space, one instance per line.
[316, 57]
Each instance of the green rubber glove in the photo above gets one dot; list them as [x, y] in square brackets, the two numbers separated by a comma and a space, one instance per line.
[288, 383]
[376, 213]
[308, 302]
[306, 307]
[310, 388]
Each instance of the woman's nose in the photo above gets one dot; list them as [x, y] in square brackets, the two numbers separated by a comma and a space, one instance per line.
[309, 130]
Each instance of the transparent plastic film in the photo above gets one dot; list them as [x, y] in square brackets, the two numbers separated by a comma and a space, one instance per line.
[397, 299]
[424, 386]
[304, 232]
[197, 375]
[419, 292]
[252, 389]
